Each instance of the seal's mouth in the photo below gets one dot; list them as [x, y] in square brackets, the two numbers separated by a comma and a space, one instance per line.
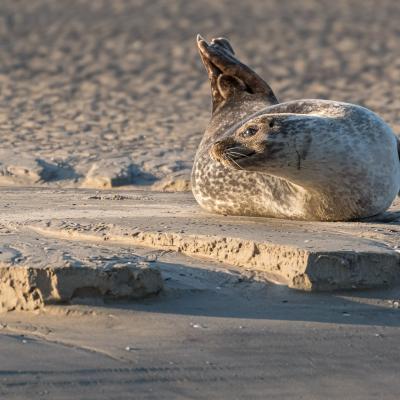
[231, 154]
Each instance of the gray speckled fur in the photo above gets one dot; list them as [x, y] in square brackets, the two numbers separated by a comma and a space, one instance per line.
[324, 160]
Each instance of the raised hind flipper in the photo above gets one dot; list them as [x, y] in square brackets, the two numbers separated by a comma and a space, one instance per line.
[228, 76]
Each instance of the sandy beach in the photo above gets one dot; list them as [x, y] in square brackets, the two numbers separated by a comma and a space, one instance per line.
[117, 88]
[111, 288]
[215, 330]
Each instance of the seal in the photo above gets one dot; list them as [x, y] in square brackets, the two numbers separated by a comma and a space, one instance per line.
[304, 159]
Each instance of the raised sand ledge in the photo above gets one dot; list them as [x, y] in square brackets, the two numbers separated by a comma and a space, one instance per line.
[59, 245]
[35, 271]
[320, 266]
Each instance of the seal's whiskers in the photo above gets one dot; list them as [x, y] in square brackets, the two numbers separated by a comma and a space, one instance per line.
[233, 161]
[233, 153]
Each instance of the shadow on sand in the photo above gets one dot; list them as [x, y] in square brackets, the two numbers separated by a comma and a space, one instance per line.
[227, 294]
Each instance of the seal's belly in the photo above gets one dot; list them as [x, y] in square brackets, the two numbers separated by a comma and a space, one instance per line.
[224, 191]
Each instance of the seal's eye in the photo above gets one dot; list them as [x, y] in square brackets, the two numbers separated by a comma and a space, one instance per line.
[250, 131]
[271, 123]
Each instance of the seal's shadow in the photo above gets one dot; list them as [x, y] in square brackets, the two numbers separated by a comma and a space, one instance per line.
[213, 293]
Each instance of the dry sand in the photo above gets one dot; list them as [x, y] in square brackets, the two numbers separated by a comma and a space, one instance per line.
[100, 94]
[116, 88]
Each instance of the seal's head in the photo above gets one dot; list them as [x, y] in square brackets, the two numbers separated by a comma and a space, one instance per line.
[271, 143]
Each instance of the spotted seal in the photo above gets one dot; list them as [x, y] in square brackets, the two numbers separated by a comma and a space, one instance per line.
[303, 159]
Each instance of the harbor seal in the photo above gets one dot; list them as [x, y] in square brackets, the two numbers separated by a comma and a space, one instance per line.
[303, 159]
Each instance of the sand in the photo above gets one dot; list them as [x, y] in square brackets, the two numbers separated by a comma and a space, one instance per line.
[310, 256]
[218, 328]
[112, 95]
[89, 84]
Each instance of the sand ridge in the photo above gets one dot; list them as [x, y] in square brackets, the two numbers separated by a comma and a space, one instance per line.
[308, 256]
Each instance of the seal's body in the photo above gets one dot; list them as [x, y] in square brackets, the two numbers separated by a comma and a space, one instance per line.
[303, 159]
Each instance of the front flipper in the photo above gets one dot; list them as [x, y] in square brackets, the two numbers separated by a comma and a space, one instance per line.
[228, 76]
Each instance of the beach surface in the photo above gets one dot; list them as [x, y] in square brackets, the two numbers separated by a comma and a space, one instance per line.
[105, 299]
[109, 93]
[110, 289]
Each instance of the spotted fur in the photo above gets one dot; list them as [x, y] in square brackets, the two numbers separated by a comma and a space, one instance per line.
[309, 160]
